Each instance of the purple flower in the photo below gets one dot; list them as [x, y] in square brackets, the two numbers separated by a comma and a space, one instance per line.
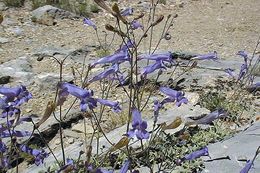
[197, 154]
[3, 147]
[125, 167]
[69, 164]
[4, 162]
[88, 22]
[247, 167]
[139, 126]
[114, 105]
[212, 116]
[173, 96]
[85, 95]
[243, 71]
[157, 107]
[39, 155]
[20, 93]
[125, 47]
[127, 12]
[210, 56]
[16, 133]
[168, 57]
[243, 54]
[230, 72]
[118, 57]
[10, 111]
[254, 87]
[106, 73]
[151, 68]
[135, 25]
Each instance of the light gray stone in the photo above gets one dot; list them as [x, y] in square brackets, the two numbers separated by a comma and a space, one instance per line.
[46, 15]
[49, 81]
[19, 69]
[242, 145]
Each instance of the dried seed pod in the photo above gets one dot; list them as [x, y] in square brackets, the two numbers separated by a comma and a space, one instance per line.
[115, 8]
[158, 20]
[116, 12]
[103, 5]
[48, 111]
[110, 28]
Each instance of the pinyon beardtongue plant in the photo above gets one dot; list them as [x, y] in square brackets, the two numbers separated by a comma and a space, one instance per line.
[196, 154]
[117, 57]
[210, 56]
[110, 71]
[135, 25]
[39, 155]
[173, 96]
[247, 167]
[151, 68]
[114, 105]
[127, 12]
[138, 126]
[85, 95]
[209, 118]
[165, 57]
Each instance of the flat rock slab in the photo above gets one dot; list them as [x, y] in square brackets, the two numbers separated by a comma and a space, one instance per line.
[241, 146]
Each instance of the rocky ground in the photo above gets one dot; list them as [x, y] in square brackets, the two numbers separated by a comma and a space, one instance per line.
[202, 26]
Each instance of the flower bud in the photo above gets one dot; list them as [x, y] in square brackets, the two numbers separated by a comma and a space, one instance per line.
[115, 8]
[158, 20]
[110, 28]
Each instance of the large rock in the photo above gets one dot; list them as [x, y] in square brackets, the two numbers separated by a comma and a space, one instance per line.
[19, 69]
[241, 146]
[46, 15]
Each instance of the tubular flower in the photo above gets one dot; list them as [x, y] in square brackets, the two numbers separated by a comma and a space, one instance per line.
[247, 167]
[118, 57]
[106, 73]
[212, 116]
[243, 71]
[230, 72]
[151, 68]
[173, 96]
[68, 167]
[85, 95]
[138, 126]
[135, 25]
[129, 44]
[210, 56]
[114, 105]
[20, 93]
[39, 155]
[3, 147]
[243, 54]
[127, 12]
[165, 57]
[88, 22]
[16, 133]
[196, 154]
[125, 167]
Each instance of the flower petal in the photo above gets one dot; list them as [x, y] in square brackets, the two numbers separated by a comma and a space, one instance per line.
[88, 22]
[197, 154]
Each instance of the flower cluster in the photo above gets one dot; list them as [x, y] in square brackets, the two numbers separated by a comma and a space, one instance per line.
[243, 68]
[87, 101]
[10, 102]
